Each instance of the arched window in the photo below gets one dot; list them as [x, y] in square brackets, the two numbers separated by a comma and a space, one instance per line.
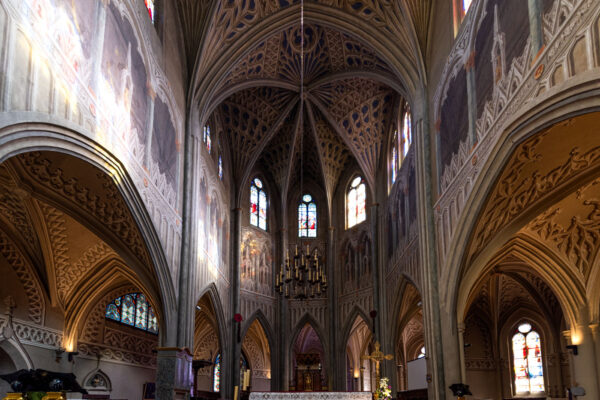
[422, 353]
[134, 310]
[150, 7]
[406, 139]
[356, 200]
[395, 162]
[258, 204]
[217, 371]
[465, 6]
[527, 360]
[220, 167]
[206, 138]
[307, 217]
[217, 374]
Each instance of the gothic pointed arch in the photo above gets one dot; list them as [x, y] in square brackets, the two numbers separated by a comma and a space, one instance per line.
[55, 139]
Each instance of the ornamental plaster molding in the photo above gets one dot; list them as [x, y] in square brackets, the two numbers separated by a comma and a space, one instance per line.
[27, 277]
[91, 350]
[514, 95]
[35, 335]
[160, 198]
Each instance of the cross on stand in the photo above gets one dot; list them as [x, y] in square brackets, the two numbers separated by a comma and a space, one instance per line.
[377, 356]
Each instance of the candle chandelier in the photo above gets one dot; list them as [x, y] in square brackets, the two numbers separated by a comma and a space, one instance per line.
[303, 275]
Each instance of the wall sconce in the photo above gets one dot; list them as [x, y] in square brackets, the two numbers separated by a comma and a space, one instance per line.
[574, 348]
[58, 353]
[71, 354]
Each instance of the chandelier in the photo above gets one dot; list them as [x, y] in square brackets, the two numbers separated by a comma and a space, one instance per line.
[303, 275]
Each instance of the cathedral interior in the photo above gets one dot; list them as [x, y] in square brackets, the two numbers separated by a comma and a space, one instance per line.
[213, 199]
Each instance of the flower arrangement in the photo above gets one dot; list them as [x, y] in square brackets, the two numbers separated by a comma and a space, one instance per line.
[384, 391]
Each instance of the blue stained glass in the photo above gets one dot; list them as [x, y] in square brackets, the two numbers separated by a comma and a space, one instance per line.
[258, 205]
[220, 168]
[302, 219]
[152, 321]
[406, 133]
[217, 374]
[312, 220]
[112, 312]
[134, 310]
[128, 310]
[207, 140]
[253, 205]
[141, 312]
[262, 210]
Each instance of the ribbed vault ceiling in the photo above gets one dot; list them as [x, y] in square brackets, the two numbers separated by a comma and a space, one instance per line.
[247, 60]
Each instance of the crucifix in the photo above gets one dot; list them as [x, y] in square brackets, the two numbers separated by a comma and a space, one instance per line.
[377, 356]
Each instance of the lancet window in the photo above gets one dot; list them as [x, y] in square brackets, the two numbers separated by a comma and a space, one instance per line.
[406, 138]
[307, 217]
[206, 138]
[150, 6]
[134, 310]
[258, 204]
[356, 201]
[527, 360]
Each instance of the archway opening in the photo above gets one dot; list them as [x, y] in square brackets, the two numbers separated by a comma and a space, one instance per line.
[411, 353]
[70, 245]
[308, 366]
[513, 339]
[207, 355]
[256, 346]
[358, 371]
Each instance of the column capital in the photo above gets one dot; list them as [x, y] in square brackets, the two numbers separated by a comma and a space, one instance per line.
[331, 228]
[461, 327]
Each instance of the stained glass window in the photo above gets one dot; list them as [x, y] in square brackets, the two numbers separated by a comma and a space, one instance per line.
[150, 8]
[406, 132]
[527, 360]
[206, 138]
[258, 204]
[220, 167]
[394, 161]
[356, 202]
[307, 217]
[422, 353]
[134, 310]
[217, 374]
[466, 4]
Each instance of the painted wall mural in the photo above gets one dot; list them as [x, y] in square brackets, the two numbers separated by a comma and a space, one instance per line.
[256, 265]
[85, 64]
[213, 234]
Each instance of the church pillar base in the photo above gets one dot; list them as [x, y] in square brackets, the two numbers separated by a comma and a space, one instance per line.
[173, 374]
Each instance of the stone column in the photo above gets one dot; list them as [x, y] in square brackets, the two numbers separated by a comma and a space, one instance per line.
[373, 214]
[584, 362]
[233, 359]
[535, 26]
[173, 373]
[596, 338]
[433, 323]
[150, 97]
[471, 98]
[335, 374]
[281, 376]
[461, 351]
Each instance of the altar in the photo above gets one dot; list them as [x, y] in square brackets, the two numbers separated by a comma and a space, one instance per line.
[311, 396]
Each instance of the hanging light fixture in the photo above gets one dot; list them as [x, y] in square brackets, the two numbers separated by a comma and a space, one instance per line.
[303, 275]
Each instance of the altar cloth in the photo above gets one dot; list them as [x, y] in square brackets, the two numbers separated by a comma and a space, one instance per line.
[311, 395]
